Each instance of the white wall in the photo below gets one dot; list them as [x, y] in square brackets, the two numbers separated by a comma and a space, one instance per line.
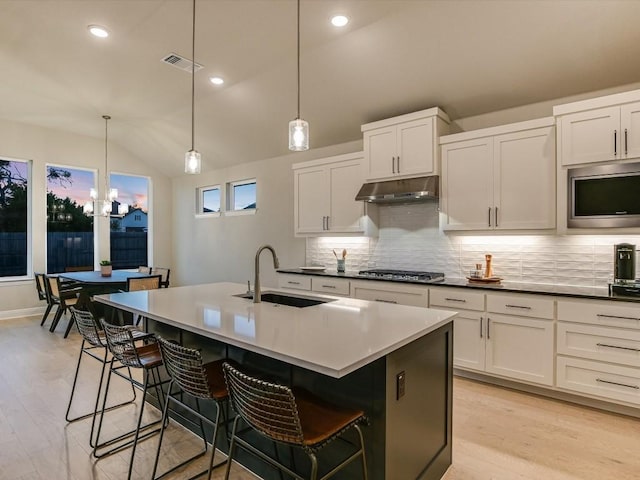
[47, 146]
[224, 248]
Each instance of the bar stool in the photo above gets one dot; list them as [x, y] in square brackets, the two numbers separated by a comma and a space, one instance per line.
[200, 381]
[301, 420]
[93, 340]
[124, 344]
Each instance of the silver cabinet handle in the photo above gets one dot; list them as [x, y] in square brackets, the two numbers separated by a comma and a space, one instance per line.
[489, 216]
[518, 306]
[328, 223]
[488, 328]
[398, 163]
[293, 283]
[455, 300]
[635, 387]
[393, 164]
[616, 316]
[328, 286]
[385, 301]
[626, 143]
[480, 327]
[615, 142]
[324, 224]
[617, 346]
[496, 217]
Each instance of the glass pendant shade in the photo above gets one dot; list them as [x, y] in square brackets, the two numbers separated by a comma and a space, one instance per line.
[298, 135]
[113, 194]
[123, 209]
[88, 208]
[93, 194]
[192, 162]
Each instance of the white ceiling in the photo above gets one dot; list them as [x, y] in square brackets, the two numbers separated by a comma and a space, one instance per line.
[468, 57]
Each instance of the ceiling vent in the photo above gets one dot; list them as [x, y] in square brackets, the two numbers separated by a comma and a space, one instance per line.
[182, 63]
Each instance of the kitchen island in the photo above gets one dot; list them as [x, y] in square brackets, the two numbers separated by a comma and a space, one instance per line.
[393, 361]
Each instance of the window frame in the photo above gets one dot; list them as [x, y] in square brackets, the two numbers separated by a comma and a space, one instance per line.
[200, 213]
[29, 233]
[230, 197]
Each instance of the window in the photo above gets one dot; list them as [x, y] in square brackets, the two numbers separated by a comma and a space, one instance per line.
[15, 218]
[242, 196]
[129, 233]
[208, 202]
[70, 238]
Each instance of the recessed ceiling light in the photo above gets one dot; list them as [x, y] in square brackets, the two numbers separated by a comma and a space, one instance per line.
[216, 80]
[339, 20]
[98, 31]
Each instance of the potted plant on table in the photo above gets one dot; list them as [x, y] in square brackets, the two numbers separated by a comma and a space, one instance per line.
[105, 268]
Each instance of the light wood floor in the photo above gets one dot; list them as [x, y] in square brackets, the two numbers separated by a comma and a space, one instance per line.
[498, 433]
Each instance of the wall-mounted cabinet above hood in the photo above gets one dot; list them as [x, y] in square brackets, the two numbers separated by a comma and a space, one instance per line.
[405, 190]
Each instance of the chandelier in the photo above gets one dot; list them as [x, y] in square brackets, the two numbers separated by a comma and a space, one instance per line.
[105, 207]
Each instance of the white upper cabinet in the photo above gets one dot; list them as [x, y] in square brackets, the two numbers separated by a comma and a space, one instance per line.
[324, 196]
[500, 178]
[600, 129]
[404, 146]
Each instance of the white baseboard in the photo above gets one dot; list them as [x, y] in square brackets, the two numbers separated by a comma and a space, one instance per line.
[23, 312]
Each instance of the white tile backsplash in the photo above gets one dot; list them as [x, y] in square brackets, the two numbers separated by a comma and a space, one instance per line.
[409, 238]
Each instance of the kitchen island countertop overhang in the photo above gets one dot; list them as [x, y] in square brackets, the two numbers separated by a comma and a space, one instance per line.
[334, 338]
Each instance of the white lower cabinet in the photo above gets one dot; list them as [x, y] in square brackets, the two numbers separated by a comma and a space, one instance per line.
[520, 348]
[320, 284]
[486, 340]
[297, 282]
[598, 349]
[389, 292]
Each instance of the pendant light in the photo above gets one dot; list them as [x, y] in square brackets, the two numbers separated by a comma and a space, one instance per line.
[192, 161]
[298, 128]
[104, 207]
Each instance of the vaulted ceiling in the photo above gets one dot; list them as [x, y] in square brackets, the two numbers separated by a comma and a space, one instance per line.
[468, 57]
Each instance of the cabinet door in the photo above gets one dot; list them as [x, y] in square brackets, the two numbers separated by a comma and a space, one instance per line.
[345, 215]
[415, 150]
[468, 340]
[592, 136]
[380, 151]
[630, 128]
[524, 179]
[311, 199]
[520, 348]
[467, 185]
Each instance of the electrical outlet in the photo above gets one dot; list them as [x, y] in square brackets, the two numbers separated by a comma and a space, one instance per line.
[400, 385]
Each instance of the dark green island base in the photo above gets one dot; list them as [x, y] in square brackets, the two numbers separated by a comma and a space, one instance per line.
[407, 438]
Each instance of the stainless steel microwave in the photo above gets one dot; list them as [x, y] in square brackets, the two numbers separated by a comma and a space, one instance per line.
[604, 196]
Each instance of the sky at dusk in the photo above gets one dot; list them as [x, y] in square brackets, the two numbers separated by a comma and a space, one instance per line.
[131, 190]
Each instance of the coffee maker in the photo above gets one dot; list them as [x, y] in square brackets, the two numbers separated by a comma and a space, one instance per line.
[624, 263]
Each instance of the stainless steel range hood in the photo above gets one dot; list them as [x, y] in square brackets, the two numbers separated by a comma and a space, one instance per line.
[406, 190]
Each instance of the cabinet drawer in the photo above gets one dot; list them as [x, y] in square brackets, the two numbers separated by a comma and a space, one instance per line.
[456, 298]
[521, 305]
[599, 343]
[611, 382]
[299, 282]
[332, 286]
[390, 293]
[612, 314]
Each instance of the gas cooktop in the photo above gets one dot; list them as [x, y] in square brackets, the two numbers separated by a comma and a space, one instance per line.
[403, 275]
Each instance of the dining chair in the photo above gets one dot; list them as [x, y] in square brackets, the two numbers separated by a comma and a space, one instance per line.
[143, 269]
[292, 417]
[143, 283]
[63, 298]
[198, 381]
[164, 272]
[43, 294]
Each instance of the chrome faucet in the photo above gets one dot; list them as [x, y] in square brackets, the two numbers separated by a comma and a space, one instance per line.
[256, 280]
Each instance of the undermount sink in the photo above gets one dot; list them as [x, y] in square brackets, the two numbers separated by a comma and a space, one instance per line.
[289, 300]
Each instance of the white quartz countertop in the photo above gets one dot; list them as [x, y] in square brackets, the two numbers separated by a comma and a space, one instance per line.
[334, 338]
